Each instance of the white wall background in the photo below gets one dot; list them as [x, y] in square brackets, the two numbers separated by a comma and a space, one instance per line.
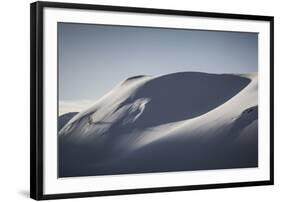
[14, 101]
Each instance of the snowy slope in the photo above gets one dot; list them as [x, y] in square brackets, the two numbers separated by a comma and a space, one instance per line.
[63, 119]
[180, 121]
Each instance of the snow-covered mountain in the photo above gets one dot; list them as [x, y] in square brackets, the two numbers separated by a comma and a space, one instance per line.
[175, 122]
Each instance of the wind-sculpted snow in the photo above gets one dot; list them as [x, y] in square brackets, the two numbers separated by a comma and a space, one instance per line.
[176, 122]
[63, 119]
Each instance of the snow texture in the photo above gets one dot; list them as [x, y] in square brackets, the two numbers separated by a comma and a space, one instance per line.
[63, 119]
[176, 122]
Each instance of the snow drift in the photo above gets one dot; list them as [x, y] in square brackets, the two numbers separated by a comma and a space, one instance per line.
[175, 122]
[63, 119]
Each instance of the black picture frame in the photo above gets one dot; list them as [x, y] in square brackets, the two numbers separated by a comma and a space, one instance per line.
[36, 99]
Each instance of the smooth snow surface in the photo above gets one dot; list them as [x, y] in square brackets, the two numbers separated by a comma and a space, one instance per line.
[176, 122]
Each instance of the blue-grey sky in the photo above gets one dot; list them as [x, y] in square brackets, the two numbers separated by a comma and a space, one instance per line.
[94, 58]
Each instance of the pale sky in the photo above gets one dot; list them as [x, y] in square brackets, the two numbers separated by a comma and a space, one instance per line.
[94, 58]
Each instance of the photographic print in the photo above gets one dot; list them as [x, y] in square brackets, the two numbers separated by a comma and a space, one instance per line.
[142, 99]
[128, 100]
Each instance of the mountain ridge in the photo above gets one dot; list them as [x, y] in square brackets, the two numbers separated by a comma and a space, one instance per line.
[150, 114]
